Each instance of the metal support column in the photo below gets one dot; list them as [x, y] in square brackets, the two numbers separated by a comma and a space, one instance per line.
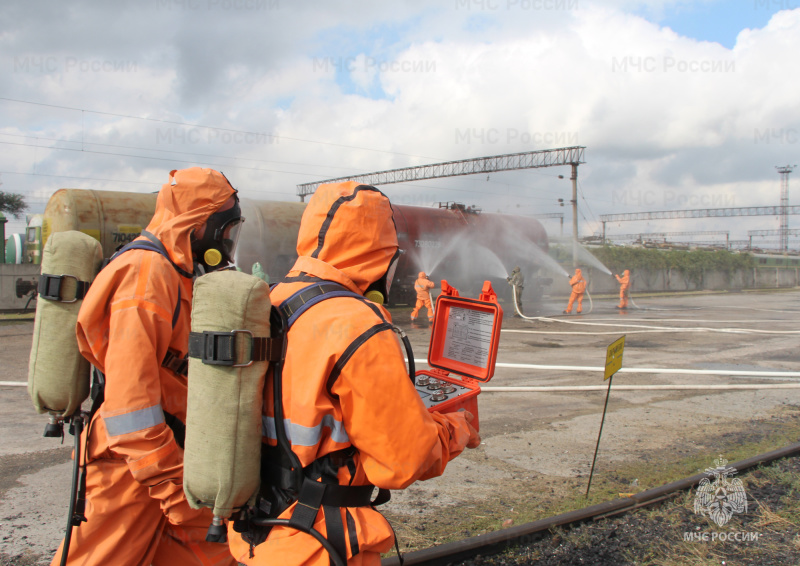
[574, 179]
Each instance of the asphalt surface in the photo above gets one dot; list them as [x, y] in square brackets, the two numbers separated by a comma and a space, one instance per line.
[527, 437]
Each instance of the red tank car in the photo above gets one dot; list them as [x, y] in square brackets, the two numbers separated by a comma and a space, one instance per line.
[453, 242]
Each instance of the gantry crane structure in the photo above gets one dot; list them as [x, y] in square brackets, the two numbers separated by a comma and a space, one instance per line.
[783, 235]
[572, 156]
[559, 215]
[665, 235]
[698, 213]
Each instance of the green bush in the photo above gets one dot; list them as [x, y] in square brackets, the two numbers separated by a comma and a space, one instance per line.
[691, 264]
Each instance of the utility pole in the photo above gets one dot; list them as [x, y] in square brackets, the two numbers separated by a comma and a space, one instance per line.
[574, 178]
[784, 233]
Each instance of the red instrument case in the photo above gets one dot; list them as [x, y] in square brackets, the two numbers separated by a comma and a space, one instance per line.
[464, 341]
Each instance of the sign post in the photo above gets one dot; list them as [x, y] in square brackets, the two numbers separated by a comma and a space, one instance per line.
[613, 365]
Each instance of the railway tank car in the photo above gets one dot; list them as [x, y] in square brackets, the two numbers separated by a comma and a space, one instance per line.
[453, 242]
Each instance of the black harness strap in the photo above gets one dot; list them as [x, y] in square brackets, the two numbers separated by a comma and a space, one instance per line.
[175, 363]
[335, 529]
[350, 350]
[159, 247]
[320, 486]
[178, 428]
[351, 531]
[275, 471]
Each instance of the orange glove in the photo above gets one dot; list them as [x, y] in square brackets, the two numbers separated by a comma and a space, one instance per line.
[474, 436]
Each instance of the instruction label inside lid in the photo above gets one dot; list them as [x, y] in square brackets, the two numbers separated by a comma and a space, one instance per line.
[469, 336]
[465, 337]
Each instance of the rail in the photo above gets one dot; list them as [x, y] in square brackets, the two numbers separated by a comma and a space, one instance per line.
[498, 541]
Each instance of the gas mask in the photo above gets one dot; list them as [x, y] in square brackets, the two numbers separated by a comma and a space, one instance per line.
[378, 292]
[215, 250]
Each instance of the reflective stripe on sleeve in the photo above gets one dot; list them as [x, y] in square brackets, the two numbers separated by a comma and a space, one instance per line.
[135, 421]
[300, 435]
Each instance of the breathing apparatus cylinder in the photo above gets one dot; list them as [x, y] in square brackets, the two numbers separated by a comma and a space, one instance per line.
[58, 375]
[227, 369]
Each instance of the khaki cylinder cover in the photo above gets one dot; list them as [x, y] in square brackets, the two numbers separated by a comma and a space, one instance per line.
[58, 375]
[222, 455]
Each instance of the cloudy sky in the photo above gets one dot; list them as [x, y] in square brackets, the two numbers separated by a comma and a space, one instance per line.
[680, 104]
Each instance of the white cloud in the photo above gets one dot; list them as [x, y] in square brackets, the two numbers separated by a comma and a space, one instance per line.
[660, 114]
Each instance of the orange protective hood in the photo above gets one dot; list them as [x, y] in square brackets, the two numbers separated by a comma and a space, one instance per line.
[626, 273]
[578, 272]
[184, 203]
[347, 234]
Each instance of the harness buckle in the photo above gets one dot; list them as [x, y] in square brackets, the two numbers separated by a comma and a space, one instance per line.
[219, 348]
[50, 287]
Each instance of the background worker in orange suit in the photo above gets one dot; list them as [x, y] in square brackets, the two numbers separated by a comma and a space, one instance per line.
[624, 285]
[136, 311]
[351, 414]
[423, 287]
[578, 289]
[516, 280]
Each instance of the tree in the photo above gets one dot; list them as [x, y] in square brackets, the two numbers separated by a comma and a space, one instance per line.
[13, 204]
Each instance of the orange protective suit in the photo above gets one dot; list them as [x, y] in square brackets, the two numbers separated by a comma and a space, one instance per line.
[345, 383]
[578, 289]
[624, 285]
[423, 287]
[136, 511]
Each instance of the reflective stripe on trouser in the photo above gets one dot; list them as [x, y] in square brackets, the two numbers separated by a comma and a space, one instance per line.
[420, 303]
[125, 526]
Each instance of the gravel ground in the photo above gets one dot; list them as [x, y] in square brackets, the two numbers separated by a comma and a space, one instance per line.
[655, 535]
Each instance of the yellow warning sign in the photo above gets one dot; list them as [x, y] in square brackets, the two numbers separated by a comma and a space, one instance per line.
[614, 358]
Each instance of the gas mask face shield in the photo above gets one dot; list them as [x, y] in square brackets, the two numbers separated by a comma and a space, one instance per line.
[378, 292]
[230, 236]
[216, 249]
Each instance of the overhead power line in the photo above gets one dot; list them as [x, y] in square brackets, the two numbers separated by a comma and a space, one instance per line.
[698, 213]
[163, 151]
[179, 123]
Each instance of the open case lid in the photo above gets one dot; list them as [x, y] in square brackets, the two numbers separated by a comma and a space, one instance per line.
[466, 333]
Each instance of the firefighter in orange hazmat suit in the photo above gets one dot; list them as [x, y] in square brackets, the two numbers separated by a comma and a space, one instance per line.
[516, 280]
[624, 286]
[423, 287]
[350, 410]
[578, 289]
[136, 311]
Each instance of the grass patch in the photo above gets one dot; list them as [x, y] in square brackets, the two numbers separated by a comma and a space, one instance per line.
[15, 318]
[545, 497]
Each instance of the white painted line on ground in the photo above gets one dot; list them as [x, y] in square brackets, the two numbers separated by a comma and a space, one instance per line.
[677, 371]
[550, 388]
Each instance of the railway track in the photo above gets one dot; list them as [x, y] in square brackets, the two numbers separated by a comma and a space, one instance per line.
[499, 541]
